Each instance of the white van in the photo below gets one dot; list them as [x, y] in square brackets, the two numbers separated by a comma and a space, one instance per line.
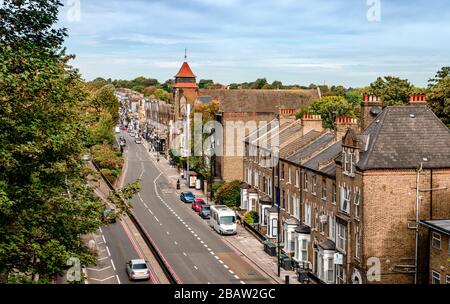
[117, 129]
[222, 219]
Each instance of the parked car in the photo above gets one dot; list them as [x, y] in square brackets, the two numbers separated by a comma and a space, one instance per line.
[109, 216]
[197, 204]
[137, 270]
[117, 129]
[187, 197]
[204, 211]
[138, 140]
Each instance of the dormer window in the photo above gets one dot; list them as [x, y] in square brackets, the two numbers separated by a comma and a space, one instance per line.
[349, 158]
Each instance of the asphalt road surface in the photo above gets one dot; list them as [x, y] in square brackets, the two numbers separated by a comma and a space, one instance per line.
[193, 250]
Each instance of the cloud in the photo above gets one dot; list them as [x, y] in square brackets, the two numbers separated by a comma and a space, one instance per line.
[232, 40]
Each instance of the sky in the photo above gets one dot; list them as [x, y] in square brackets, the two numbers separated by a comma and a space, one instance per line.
[346, 42]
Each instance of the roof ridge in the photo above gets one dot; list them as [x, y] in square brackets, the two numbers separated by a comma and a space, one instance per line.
[320, 148]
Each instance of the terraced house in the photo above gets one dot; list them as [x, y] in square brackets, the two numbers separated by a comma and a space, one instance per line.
[348, 196]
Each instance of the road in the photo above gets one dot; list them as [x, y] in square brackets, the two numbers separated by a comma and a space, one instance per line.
[116, 245]
[194, 252]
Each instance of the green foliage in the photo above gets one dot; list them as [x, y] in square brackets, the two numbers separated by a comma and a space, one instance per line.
[203, 83]
[330, 108]
[216, 186]
[109, 160]
[392, 90]
[439, 99]
[251, 217]
[45, 203]
[229, 194]
[161, 94]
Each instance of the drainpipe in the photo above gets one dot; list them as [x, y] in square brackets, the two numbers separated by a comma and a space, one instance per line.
[417, 222]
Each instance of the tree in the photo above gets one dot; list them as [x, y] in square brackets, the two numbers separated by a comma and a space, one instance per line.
[229, 194]
[31, 22]
[45, 204]
[203, 83]
[160, 94]
[329, 108]
[392, 90]
[441, 74]
[439, 99]
[259, 83]
[277, 84]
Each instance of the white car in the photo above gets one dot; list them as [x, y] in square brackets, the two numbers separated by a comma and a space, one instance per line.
[117, 129]
[138, 140]
[138, 270]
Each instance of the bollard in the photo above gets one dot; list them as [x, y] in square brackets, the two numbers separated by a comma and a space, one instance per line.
[287, 280]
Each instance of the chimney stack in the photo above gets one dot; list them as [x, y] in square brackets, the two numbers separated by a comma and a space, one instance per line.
[418, 99]
[371, 106]
[311, 122]
[343, 124]
[286, 116]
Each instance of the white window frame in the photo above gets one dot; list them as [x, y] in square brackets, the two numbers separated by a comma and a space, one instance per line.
[341, 237]
[357, 202]
[332, 228]
[305, 182]
[297, 178]
[324, 187]
[438, 238]
[357, 243]
[314, 184]
[303, 244]
[289, 174]
[334, 194]
[345, 198]
[330, 270]
[344, 154]
[308, 214]
[435, 276]
[340, 274]
[447, 280]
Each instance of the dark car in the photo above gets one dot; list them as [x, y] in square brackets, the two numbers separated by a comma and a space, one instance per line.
[205, 211]
[187, 197]
[109, 216]
[197, 204]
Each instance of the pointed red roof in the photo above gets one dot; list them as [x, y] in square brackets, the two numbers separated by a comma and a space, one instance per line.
[185, 71]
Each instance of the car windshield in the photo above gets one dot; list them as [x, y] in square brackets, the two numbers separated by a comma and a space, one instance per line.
[227, 220]
[200, 202]
[205, 208]
[139, 266]
[189, 194]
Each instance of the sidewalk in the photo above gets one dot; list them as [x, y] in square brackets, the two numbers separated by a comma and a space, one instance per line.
[244, 242]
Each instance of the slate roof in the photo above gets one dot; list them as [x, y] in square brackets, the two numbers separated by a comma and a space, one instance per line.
[325, 157]
[204, 99]
[401, 136]
[298, 143]
[262, 101]
[311, 148]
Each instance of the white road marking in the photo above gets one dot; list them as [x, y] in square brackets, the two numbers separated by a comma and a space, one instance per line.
[98, 280]
[202, 242]
[212, 252]
[103, 237]
[150, 211]
[156, 219]
[98, 270]
[175, 242]
[102, 259]
[168, 233]
[107, 249]
[100, 229]
[118, 280]
[217, 258]
[226, 266]
[220, 261]
[196, 268]
[230, 271]
[242, 282]
[113, 266]
[145, 205]
[184, 253]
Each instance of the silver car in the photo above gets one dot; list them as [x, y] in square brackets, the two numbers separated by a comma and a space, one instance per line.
[138, 270]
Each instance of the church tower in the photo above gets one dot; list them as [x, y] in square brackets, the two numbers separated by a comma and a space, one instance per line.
[185, 89]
